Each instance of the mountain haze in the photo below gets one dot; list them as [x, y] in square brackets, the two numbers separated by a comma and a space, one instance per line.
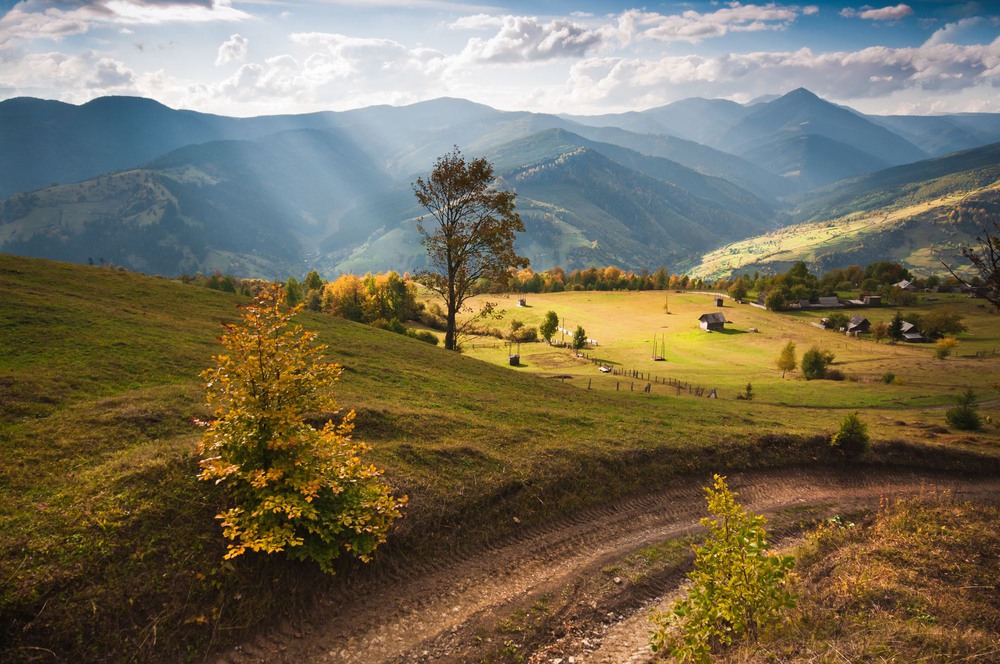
[155, 189]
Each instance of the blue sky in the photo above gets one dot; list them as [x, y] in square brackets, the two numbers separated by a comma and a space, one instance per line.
[252, 57]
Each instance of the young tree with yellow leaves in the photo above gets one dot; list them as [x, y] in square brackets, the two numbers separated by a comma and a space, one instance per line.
[293, 488]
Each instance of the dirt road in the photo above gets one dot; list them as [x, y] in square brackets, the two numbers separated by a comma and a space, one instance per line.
[465, 607]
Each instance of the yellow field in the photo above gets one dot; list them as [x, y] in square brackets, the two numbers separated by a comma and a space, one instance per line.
[625, 323]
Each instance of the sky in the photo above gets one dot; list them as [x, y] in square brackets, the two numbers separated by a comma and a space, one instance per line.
[262, 57]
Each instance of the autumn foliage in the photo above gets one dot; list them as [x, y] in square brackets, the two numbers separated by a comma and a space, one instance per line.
[293, 488]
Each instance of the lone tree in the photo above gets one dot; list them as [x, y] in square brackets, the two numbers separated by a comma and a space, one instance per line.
[786, 361]
[468, 232]
[985, 258]
[579, 338]
[293, 488]
[549, 326]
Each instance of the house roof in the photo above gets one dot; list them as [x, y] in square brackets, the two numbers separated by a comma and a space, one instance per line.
[715, 317]
[908, 327]
[857, 319]
[829, 302]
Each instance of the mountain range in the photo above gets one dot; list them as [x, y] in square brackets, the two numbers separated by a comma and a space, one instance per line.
[138, 184]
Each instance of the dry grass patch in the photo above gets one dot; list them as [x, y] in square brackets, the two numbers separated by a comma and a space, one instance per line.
[916, 582]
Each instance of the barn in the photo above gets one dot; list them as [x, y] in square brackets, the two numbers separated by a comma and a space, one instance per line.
[859, 324]
[714, 322]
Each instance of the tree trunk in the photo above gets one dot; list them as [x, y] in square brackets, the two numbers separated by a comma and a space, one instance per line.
[449, 335]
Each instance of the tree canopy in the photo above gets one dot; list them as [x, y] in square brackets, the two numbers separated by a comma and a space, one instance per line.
[468, 231]
[293, 488]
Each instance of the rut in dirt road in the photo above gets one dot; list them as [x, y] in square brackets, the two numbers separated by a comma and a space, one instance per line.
[436, 612]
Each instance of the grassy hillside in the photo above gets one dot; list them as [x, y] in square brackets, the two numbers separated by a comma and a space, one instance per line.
[919, 235]
[909, 184]
[108, 546]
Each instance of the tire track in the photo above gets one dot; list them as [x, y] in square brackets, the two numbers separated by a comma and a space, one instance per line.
[432, 612]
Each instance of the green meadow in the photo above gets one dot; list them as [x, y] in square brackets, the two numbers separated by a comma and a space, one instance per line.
[626, 325]
[109, 549]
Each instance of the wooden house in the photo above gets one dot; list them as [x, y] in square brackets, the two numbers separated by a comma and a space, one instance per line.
[911, 333]
[714, 322]
[858, 324]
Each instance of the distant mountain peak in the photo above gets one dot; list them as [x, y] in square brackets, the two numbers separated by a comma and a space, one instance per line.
[122, 100]
[800, 93]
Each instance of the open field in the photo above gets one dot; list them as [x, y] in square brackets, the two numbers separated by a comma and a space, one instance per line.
[625, 323]
[108, 546]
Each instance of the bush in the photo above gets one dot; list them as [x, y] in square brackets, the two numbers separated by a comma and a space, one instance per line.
[852, 439]
[747, 394]
[525, 334]
[423, 335]
[964, 416]
[833, 374]
[888, 377]
[837, 321]
[814, 363]
[944, 347]
[738, 586]
[293, 488]
[433, 317]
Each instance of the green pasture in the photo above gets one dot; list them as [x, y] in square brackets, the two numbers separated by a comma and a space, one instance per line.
[625, 325]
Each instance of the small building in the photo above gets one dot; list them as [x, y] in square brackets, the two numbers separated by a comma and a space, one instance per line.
[714, 322]
[830, 303]
[872, 300]
[911, 333]
[905, 285]
[718, 301]
[858, 324]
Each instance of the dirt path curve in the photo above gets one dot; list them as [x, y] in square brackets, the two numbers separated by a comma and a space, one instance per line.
[438, 612]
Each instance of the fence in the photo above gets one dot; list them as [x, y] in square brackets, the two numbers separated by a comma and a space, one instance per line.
[681, 387]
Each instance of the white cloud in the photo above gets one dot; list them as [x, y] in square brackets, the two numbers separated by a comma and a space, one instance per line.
[111, 74]
[42, 19]
[894, 13]
[868, 73]
[952, 32]
[332, 70]
[810, 10]
[526, 39]
[477, 22]
[694, 27]
[233, 49]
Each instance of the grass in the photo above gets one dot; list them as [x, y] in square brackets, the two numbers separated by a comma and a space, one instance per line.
[625, 324]
[915, 582]
[108, 546]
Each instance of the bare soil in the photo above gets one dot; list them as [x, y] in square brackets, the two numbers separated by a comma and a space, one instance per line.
[546, 595]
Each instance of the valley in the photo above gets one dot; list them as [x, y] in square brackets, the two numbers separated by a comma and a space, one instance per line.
[525, 486]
